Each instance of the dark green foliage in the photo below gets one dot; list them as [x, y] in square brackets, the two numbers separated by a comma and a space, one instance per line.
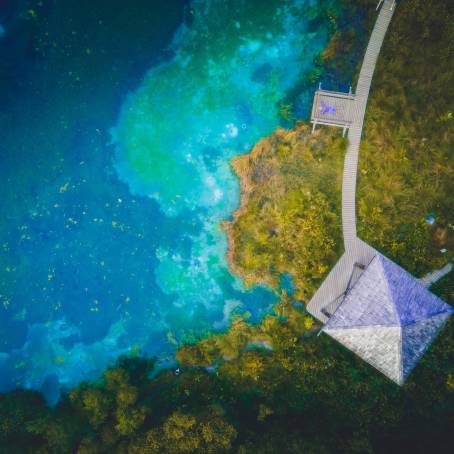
[307, 394]
[17, 410]
[445, 288]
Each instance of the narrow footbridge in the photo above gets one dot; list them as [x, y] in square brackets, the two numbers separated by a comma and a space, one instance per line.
[347, 111]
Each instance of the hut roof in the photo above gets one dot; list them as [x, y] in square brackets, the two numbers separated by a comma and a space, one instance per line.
[388, 318]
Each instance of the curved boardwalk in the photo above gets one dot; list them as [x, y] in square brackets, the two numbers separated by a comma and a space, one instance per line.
[354, 133]
[357, 254]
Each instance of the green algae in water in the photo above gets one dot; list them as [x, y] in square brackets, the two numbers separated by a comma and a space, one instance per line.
[234, 66]
[223, 90]
[232, 71]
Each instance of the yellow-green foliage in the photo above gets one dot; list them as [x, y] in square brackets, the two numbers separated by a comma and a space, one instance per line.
[407, 160]
[278, 332]
[228, 345]
[185, 433]
[112, 404]
[290, 216]
[96, 403]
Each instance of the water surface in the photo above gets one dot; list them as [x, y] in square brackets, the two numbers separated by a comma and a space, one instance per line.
[119, 122]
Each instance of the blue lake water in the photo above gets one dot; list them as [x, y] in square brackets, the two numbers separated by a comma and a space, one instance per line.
[119, 124]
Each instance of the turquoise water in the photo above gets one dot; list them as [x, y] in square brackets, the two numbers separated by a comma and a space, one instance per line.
[177, 133]
[117, 175]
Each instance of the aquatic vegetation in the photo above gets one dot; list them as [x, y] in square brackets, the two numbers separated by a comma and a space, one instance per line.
[113, 245]
[223, 91]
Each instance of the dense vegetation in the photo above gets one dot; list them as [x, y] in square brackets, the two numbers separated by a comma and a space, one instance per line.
[406, 168]
[276, 387]
[289, 220]
[306, 394]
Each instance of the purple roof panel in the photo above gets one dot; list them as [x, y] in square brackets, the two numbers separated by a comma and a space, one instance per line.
[411, 299]
[368, 302]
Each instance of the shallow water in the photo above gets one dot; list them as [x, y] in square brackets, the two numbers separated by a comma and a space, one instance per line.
[114, 184]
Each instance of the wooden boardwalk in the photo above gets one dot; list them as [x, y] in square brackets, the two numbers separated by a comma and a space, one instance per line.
[434, 276]
[357, 253]
[355, 131]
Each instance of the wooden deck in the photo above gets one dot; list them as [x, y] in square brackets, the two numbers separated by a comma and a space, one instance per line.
[333, 109]
[356, 251]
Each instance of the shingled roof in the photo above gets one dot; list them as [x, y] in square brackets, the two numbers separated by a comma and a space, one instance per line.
[388, 318]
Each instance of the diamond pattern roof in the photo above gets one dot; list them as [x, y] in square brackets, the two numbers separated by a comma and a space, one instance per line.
[388, 318]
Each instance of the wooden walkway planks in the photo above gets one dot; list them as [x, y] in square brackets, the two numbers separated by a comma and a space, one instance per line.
[355, 131]
[356, 250]
[434, 276]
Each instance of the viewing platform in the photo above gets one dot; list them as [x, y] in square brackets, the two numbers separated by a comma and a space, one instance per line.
[333, 108]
